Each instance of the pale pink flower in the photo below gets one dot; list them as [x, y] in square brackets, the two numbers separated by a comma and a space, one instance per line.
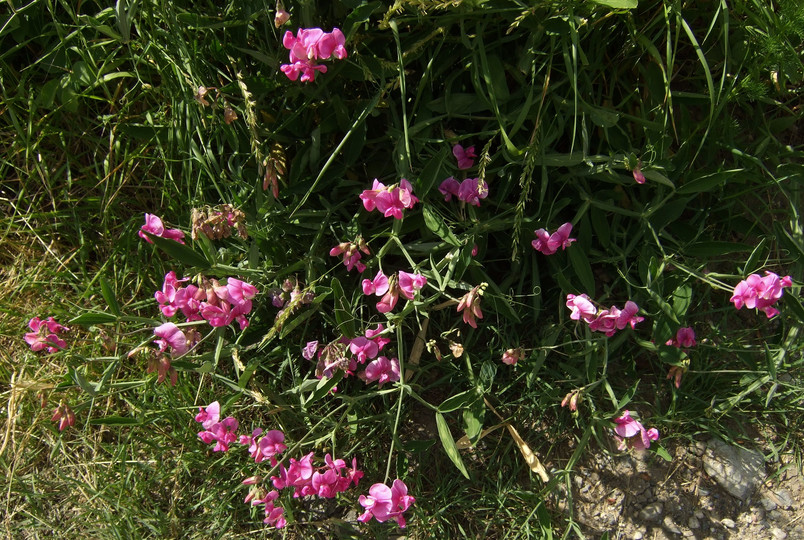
[606, 321]
[154, 225]
[209, 415]
[281, 16]
[549, 243]
[628, 428]
[512, 356]
[308, 46]
[465, 157]
[309, 350]
[172, 338]
[390, 298]
[628, 315]
[582, 307]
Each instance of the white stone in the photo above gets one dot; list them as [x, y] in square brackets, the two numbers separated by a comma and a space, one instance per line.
[737, 470]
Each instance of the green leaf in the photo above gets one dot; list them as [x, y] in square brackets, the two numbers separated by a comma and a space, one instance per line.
[344, 315]
[431, 174]
[94, 318]
[464, 399]
[115, 421]
[661, 452]
[108, 295]
[617, 4]
[580, 263]
[437, 225]
[85, 385]
[323, 387]
[182, 253]
[682, 298]
[707, 182]
[449, 444]
[473, 420]
[708, 249]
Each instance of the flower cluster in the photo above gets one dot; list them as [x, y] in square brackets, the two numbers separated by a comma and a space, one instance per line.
[308, 46]
[471, 190]
[219, 305]
[389, 200]
[64, 416]
[325, 482]
[627, 430]
[384, 503]
[216, 223]
[222, 432]
[154, 225]
[346, 354]
[44, 335]
[760, 292]
[470, 305]
[389, 288]
[685, 338]
[608, 321]
[351, 253]
[549, 243]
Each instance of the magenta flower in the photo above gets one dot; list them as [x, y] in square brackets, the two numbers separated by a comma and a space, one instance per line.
[627, 430]
[44, 335]
[760, 292]
[363, 349]
[685, 338]
[628, 316]
[382, 370]
[472, 190]
[269, 446]
[153, 225]
[449, 187]
[209, 415]
[410, 283]
[384, 503]
[466, 157]
[549, 243]
[376, 337]
[390, 298]
[309, 45]
[582, 307]
[390, 201]
[274, 515]
[64, 416]
[638, 175]
[470, 305]
[378, 286]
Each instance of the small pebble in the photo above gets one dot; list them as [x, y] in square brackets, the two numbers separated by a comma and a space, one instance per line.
[638, 535]
[728, 523]
[651, 512]
[693, 522]
[699, 514]
[670, 525]
[778, 533]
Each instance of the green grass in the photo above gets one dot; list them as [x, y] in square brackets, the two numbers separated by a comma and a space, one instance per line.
[99, 124]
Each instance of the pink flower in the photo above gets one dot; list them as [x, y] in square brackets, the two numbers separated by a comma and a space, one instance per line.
[474, 250]
[390, 201]
[172, 337]
[571, 400]
[582, 307]
[410, 283]
[382, 370]
[309, 350]
[153, 225]
[351, 253]
[378, 286]
[376, 337]
[269, 446]
[466, 157]
[512, 356]
[364, 349]
[685, 338]
[606, 321]
[390, 298]
[627, 430]
[64, 416]
[44, 335]
[384, 503]
[638, 176]
[209, 415]
[309, 45]
[470, 305]
[449, 187]
[628, 316]
[760, 292]
[549, 243]
[281, 16]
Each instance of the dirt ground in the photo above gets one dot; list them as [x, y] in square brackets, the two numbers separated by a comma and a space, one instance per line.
[640, 496]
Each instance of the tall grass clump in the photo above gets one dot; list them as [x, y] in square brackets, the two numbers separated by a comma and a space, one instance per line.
[434, 251]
